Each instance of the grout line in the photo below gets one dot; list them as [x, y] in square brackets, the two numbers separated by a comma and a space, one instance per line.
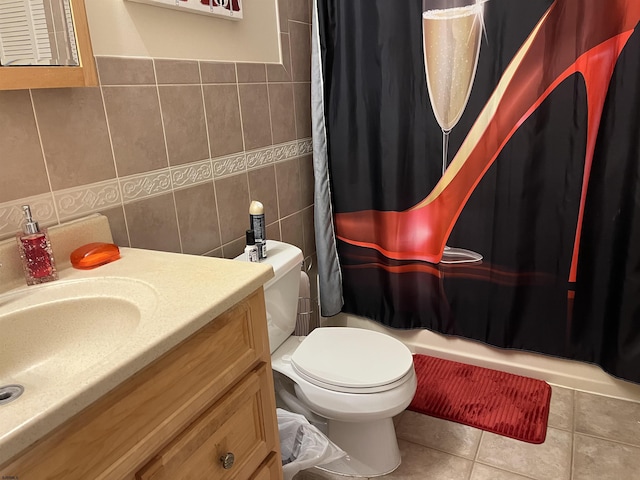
[619, 442]
[213, 179]
[275, 174]
[190, 84]
[166, 149]
[175, 212]
[269, 106]
[473, 467]
[289, 73]
[164, 132]
[227, 244]
[573, 457]
[477, 455]
[436, 449]
[574, 407]
[502, 469]
[244, 147]
[204, 107]
[302, 208]
[301, 22]
[115, 164]
[44, 158]
[293, 88]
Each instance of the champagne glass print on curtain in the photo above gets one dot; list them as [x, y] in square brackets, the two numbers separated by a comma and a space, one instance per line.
[451, 34]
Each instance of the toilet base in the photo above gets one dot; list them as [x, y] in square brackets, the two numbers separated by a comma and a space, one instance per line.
[372, 448]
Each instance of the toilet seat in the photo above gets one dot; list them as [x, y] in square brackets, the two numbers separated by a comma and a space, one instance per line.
[343, 405]
[352, 360]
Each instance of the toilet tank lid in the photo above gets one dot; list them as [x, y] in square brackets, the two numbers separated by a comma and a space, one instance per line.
[282, 257]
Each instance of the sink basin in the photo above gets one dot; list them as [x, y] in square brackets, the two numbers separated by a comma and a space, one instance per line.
[55, 331]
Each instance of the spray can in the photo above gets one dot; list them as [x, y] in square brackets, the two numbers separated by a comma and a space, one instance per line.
[259, 227]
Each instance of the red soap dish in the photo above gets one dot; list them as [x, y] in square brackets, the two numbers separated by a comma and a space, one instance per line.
[94, 254]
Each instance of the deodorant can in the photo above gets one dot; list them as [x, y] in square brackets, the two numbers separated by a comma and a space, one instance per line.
[259, 227]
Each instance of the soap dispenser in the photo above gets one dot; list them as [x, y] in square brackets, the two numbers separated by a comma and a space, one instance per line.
[35, 251]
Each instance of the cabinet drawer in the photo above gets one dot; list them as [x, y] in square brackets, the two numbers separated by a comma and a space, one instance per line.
[233, 426]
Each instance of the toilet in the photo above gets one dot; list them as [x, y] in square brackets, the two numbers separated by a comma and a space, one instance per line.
[351, 380]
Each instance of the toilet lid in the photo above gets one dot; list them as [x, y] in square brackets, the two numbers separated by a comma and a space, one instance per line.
[352, 358]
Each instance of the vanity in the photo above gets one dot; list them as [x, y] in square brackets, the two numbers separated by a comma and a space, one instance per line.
[180, 388]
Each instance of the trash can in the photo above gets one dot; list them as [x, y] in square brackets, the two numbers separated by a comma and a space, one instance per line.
[302, 445]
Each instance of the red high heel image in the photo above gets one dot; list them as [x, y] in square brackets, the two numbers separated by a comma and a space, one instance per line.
[585, 36]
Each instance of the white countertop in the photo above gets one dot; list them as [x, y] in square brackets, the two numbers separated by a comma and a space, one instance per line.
[190, 291]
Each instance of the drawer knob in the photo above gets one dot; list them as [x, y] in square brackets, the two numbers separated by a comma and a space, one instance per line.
[227, 460]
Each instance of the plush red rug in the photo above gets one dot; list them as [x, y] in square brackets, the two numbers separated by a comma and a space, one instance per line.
[498, 402]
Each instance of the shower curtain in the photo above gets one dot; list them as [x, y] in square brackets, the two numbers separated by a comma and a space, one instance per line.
[542, 176]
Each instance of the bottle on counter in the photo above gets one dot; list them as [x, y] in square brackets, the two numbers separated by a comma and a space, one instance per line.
[35, 252]
[251, 250]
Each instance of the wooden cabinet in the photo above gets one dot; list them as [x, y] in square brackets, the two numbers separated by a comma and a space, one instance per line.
[18, 78]
[207, 400]
[225, 442]
[270, 469]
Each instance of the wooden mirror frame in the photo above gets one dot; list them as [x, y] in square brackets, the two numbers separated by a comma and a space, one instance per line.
[85, 75]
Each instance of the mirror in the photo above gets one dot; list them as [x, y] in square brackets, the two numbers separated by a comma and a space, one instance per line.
[37, 32]
[81, 72]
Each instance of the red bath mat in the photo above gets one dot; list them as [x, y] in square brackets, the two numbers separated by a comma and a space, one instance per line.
[498, 402]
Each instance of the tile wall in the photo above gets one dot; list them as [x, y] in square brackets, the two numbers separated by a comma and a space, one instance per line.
[171, 151]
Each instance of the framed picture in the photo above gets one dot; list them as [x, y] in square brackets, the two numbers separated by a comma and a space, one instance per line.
[230, 9]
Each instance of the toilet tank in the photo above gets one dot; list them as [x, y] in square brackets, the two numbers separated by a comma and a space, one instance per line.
[281, 292]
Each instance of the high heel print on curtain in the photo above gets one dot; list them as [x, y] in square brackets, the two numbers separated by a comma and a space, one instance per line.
[586, 36]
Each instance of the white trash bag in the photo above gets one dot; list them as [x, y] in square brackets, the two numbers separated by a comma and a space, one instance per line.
[303, 445]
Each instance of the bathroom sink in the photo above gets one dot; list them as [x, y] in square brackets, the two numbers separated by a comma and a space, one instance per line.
[70, 342]
[55, 331]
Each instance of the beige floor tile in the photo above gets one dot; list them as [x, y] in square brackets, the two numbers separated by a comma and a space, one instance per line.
[598, 459]
[485, 472]
[449, 437]
[608, 418]
[397, 418]
[422, 463]
[550, 460]
[561, 410]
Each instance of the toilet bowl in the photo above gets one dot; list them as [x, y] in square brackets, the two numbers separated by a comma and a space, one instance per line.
[354, 379]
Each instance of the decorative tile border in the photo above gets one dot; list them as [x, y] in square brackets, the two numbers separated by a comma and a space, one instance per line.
[49, 208]
[278, 153]
[135, 187]
[76, 201]
[12, 218]
[305, 147]
[191, 174]
[259, 158]
[229, 165]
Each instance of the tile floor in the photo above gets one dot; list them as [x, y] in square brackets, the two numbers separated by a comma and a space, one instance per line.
[590, 437]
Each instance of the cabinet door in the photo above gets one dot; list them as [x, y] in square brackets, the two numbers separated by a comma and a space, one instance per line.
[229, 441]
[270, 470]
